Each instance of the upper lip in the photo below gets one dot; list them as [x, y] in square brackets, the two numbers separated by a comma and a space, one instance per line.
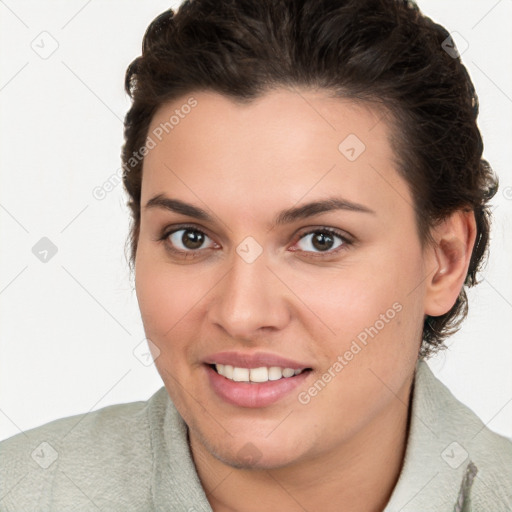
[256, 360]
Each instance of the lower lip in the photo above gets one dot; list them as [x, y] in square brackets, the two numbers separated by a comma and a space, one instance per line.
[247, 394]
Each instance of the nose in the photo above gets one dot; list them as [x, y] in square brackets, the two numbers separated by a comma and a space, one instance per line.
[250, 300]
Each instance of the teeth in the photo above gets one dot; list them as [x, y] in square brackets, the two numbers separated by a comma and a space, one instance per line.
[274, 373]
[228, 371]
[262, 374]
[241, 374]
[258, 374]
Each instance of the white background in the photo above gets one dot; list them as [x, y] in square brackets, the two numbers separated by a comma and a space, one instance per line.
[69, 327]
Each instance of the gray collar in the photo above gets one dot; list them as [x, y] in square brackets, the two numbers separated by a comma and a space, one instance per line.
[437, 472]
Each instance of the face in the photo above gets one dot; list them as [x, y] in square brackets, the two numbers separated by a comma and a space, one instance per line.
[283, 241]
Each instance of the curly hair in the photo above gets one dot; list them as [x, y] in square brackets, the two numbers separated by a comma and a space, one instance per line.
[383, 52]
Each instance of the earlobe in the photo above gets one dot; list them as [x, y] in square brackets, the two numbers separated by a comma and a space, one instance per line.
[450, 253]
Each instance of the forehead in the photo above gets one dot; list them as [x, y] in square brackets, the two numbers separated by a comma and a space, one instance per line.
[281, 148]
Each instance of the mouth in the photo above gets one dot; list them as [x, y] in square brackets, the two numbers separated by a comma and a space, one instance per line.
[257, 386]
[258, 375]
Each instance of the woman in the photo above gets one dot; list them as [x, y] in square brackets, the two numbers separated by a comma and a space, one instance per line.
[309, 202]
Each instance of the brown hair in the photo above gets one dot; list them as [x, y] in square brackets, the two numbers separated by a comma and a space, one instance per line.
[384, 52]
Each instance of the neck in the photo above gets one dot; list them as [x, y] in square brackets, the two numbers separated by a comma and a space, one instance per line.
[358, 476]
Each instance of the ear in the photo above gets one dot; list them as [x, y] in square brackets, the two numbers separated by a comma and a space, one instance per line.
[449, 257]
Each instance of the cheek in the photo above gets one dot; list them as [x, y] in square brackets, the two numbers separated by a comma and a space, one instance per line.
[346, 300]
[371, 311]
[377, 330]
[166, 297]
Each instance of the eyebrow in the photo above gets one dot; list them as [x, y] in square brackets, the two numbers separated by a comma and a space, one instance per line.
[287, 216]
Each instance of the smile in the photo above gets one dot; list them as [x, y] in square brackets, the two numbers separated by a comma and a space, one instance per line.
[255, 387]
[255, 375]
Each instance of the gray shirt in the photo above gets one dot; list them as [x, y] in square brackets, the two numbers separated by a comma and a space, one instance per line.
[136, 456]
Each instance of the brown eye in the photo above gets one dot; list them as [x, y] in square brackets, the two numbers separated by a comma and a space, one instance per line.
[321, 241]
[192, 239]
[187, 239]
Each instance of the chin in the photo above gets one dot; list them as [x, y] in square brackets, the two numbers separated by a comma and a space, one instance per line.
[257, 455]
[249, 457]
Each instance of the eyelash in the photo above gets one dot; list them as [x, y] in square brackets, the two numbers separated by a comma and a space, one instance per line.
[191, 254]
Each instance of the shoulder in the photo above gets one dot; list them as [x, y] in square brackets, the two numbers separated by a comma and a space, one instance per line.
[78, 462]
[469, 440]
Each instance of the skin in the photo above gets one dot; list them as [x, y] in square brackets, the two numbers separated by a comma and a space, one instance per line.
[243, 164]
